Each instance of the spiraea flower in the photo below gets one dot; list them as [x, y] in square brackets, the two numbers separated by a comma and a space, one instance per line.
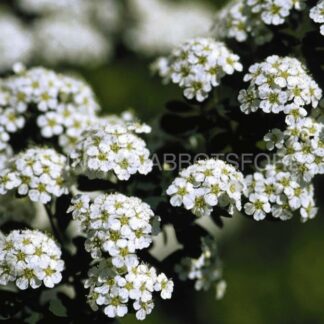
[237, 21]
[13, 32]
[207, 184]
[276, 84]
[115, 225]
[38, 173]
[61, 105]
[206, 271]
[112, 149]
[277, 192]
[116, 291]
[198, 66]
[302, 150]
[30, 258]
[60, 39]
[317, 15]
[241, 19]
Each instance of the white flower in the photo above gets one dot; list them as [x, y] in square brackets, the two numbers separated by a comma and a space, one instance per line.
[116, 290]
[197, 66]
[164, 285]
[142, 309]
[30, 258]
[258, 206]
[273, 139]
[50, 124]
[279, 84]
[112, 149]
[114, 224]
[37, 172]
[284, 191]
[241, 19]
[62, 106]
[275, 11]
[317, 15]
[206, 270]
[206, 184]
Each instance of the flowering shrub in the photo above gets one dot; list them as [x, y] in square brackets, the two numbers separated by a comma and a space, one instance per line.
[111, 212]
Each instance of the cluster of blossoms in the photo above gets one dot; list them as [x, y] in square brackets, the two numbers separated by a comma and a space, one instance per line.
[206, 270]
[317, 15]
[162, 25]
[60, 39]
[281, 188]
[300, 146]
[110, 149]
[62, 106]
[240, 19]
[13, 32]
[37, 173]
[117, 289]
[118, 226]
[115, 224]
[278, 84]
[277, 192]
[30, 258]
[198, 66]
[206, 184]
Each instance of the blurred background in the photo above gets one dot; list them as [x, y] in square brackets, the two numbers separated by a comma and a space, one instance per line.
[274, 270]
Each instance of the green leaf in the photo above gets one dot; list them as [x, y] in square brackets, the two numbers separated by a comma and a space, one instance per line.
[57, 308]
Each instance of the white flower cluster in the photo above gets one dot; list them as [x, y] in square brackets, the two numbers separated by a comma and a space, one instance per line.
[317, 15]
[278, 84]
[284, 187]
[114, 224]
[301, 146]
[162, 25]
[117, 226]
[197, 66]
[206, 270]
[277, 192]
[117, 289]
[62, 106]
[240, 19]
[112, 149]
[37, 173]
[30, 258]
[63, 40]
[207, 184]
[15, 42]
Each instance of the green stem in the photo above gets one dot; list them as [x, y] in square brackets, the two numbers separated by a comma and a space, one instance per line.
[55, 231]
